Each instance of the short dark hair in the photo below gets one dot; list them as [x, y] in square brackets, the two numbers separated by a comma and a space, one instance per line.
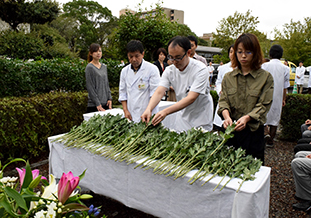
[193, 38]
[181, 41]
[94, 47]
[161, 50]
[135, 45]
[251, 43]
[276, 51]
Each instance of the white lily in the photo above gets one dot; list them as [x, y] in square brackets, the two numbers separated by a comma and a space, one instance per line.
[51, 189]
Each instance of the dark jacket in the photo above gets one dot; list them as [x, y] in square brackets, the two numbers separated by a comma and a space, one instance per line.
[157, 63]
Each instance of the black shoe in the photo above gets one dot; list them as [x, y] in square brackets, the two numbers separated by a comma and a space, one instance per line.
[305, 206]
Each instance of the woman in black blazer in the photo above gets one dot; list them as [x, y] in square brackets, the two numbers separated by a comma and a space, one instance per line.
[160, 63]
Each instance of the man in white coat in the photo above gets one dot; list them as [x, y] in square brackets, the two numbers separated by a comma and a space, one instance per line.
[138, 82]
[300, 72]
[280, 74]
[189, 79]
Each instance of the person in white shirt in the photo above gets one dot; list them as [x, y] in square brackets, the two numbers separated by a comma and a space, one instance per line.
[189, 79]
[280, 74]
[193, 54]
[138, 82]
[222, 70]
[210, 69]
[300, 72]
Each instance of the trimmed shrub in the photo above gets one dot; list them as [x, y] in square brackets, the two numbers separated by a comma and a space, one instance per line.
[294, 114]
[26, 123]
[25, 78]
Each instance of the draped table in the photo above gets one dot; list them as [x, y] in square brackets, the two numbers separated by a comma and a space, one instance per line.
[160, 195]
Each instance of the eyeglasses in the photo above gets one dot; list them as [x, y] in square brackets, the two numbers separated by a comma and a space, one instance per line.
[245, 52]
[176, 59]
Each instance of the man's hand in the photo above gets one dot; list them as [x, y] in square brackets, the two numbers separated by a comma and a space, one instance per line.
[241, 123]
[159, 117]
[145, 117]
[308, 122]
[100, 108]
[308, 156]
[309, 127]
[109, 104]
[127, 114]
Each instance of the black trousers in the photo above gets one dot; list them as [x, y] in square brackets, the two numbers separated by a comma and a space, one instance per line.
[94, 109]
[302, 147]
[252, 142]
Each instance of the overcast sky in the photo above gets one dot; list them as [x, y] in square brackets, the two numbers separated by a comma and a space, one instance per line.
[204, 16]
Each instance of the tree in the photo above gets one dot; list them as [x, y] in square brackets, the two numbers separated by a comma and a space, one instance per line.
[93, 23]
[16, 12]
[154, 30]
[232, 27]
[67, 27]
[295, 38]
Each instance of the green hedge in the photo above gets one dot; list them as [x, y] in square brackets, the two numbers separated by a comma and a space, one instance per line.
[294, 113]
[26, 123]
[25, 78]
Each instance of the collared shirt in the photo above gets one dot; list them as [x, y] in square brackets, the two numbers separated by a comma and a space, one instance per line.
[200, 58]
[135, 71]
[247, 95]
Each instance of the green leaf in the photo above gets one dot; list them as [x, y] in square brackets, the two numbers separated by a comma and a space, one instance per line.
[15, 160]
[17, 197]
[74, 206]
[6, 205]
[82, 175]
[28, 176]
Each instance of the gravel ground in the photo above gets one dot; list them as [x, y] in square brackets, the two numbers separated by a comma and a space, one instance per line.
[282, 189]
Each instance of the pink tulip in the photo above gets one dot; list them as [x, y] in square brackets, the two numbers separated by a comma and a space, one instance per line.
[22, 173]
[66, 186]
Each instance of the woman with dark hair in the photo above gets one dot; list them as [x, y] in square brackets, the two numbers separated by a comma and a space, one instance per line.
[246, 96]
[99, 98]
[160, 63]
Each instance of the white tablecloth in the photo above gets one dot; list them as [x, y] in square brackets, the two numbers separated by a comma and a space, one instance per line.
[168, 122]
[159, 195]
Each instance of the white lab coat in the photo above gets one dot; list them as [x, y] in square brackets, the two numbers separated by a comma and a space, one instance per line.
[280, 74]
[138, 88]
[222, 70]
[309, 82]
[300, 71]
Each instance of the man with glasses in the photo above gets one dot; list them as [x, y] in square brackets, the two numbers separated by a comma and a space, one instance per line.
[189, 79]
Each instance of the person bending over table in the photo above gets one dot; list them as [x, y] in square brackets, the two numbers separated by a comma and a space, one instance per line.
[301, 167]
[189, 78]
[246, 96]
